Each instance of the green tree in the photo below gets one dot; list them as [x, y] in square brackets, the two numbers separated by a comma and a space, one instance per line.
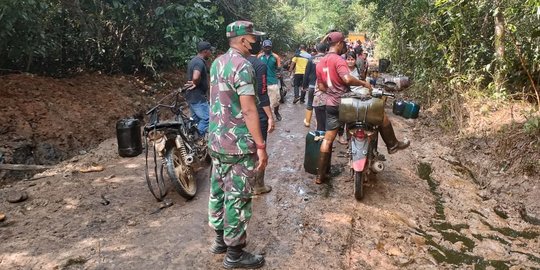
[63, 37]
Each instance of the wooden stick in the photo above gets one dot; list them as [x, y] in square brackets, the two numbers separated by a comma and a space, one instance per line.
[23, 167]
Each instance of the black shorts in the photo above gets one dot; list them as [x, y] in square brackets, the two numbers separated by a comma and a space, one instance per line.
[332, 118]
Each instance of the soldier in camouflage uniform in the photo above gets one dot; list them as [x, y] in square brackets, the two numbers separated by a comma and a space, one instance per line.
[236, 144]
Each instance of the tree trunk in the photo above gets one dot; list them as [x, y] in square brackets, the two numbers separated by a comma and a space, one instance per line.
[499, 74]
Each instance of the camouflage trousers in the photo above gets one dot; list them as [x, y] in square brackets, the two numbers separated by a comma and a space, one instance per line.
[229, 207]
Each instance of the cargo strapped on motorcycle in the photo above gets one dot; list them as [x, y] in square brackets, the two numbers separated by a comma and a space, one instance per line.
[360, 109]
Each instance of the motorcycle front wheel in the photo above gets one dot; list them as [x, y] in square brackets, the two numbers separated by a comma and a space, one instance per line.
[181, 174]
[359, 180]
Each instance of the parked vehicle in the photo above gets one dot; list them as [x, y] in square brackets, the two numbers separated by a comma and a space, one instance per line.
[362, 115]
[175, 146]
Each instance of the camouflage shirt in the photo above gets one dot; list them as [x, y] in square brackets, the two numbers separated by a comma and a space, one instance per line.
[231, 76]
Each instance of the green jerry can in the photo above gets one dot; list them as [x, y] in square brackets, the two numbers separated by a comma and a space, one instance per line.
[357, 110]
[411, 110]
[313, 145]
[128, 134]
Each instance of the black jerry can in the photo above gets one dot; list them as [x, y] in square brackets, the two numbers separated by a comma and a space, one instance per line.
[128, 134]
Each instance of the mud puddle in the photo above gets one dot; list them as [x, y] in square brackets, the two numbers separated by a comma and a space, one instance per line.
[452, 233]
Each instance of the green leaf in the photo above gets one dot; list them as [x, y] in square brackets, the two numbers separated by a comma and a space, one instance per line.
[159, 11]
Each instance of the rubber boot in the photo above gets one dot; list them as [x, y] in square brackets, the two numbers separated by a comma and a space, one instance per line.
[219, 245]
[389, 138]
[238, 258]
[307, 118]
[322, 169]
[260, 187]
[276, 112]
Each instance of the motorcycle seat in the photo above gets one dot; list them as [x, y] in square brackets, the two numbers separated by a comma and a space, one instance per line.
[163, 125]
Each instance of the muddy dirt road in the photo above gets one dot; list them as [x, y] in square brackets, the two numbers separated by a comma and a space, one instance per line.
[422, 212]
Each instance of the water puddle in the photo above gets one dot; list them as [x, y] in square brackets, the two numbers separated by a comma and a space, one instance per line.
[512, 233]
[445, 255]
[327, 189]
[451, 233]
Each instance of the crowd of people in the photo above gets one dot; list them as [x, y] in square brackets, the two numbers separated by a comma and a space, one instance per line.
[242, 107]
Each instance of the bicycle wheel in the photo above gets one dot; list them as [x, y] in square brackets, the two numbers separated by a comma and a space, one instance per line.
[154, 175]
[181, 174]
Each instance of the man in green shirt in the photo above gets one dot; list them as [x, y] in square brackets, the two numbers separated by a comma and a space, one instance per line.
[273, 67]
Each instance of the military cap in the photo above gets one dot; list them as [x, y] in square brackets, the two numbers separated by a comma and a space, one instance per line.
[240, 28]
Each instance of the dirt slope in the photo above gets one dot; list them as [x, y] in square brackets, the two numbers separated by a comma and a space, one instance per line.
[45, 120]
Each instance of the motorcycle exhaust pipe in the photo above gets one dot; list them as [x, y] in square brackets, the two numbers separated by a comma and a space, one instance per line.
[377, 167]
[189, 159]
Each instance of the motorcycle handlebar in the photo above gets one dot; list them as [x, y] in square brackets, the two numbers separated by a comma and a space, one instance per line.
[174, 103]
[378, 92]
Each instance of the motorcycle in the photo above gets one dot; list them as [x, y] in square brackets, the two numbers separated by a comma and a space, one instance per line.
[362, 115]
[178, 143]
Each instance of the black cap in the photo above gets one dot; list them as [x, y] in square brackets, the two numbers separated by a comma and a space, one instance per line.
[321, 47]
[204, 45]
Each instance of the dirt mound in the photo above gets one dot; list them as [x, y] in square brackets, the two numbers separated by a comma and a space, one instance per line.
[45, 120]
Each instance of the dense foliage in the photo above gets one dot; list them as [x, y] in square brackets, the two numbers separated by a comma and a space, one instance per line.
[491, 47]
[61, 37]
[451, 45]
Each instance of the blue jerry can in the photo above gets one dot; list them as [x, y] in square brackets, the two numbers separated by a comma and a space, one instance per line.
[411, 110]
[399, 106]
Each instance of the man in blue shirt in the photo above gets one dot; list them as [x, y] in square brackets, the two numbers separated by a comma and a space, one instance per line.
[197, 75]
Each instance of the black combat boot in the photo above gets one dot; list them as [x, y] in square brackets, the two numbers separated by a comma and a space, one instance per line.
[237, 258]
[323, 167]
[389, 138]
[219, 245]
[276, 112]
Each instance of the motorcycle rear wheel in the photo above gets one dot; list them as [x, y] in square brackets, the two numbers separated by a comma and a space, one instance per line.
[181, 174]
[359, 180]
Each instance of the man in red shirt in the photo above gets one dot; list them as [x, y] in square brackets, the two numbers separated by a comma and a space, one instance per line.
[334, 79]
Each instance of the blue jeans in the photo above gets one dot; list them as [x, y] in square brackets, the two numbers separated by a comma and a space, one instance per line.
[200, 113]
[310, 94]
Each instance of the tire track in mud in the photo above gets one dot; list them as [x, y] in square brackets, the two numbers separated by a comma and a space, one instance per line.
[460, 232]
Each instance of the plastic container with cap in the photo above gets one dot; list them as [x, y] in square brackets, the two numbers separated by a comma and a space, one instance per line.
[311, 156]
[411, 110]
[128, 134]
[398, 107]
